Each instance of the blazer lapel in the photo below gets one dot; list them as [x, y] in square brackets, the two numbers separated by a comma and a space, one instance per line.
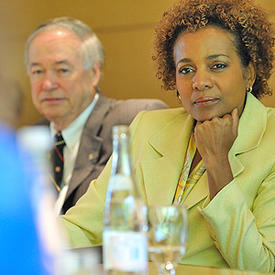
[198, 193]
[251, 128]
[250, 131]
[90, 144]
[161, 173]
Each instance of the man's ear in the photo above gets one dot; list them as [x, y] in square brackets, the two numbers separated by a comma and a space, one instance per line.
[96, 73]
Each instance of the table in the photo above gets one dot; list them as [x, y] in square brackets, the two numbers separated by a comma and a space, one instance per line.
[199, 270]
[87, 261]
[194, 270]
[181, 270]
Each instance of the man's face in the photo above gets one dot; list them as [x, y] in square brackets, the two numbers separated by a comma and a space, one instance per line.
[61, 88]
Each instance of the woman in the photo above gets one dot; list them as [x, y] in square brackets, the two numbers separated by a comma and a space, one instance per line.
[216, 154]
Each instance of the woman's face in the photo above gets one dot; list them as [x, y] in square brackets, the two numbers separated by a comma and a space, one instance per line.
[210, 78]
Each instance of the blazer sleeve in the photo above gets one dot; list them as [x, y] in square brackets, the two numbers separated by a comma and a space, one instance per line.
[245, 237]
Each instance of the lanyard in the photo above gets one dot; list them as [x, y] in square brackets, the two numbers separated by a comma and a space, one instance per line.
[187, 181]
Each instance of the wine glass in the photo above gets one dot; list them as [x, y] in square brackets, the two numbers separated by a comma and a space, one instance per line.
[167, 234]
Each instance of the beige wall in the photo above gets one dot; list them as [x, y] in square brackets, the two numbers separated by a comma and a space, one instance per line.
[125, 29]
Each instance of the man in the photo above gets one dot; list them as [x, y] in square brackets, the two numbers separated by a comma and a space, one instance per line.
[64, 59]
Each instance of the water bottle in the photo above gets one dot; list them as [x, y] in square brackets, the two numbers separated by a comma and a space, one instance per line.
[124, 235]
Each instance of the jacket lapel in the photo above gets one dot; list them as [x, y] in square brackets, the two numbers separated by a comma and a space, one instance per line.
[161, 173]
[251, 128]
[90, 144]
[252, 125]
[199, 192]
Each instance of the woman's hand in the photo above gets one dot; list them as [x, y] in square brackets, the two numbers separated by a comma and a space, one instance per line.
[214, 138]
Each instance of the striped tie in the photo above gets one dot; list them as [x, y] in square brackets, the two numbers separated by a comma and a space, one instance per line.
[58, 160]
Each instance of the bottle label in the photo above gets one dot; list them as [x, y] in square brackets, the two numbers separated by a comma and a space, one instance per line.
[125, 251]
[120, 182]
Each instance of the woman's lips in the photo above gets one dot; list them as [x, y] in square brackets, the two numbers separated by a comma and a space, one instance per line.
[205, 101]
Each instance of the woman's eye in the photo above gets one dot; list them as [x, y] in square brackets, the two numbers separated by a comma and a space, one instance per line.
[185, 70]
[219, 66]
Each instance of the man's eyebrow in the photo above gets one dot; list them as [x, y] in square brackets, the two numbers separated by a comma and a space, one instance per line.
[60, 62]
[34, 64]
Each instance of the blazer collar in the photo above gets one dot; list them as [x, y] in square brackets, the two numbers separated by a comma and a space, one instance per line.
[161, 174]
[90, 144]
[171, 143]
[251, 128]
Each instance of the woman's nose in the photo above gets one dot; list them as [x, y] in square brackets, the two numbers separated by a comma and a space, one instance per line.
[202, 80]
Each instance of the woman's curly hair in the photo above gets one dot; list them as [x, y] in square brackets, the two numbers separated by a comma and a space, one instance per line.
[248, 23]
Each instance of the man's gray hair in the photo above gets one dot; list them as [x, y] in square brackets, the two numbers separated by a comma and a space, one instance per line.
[92, 50]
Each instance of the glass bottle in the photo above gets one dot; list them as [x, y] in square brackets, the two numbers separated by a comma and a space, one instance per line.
[124, 236]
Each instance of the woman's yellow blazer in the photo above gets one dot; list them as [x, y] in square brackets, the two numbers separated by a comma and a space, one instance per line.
[237, 227]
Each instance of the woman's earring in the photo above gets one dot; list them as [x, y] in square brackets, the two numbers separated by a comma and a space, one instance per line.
[178, 95]
[249, 90]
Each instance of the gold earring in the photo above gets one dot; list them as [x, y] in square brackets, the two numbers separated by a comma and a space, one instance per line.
[249, 90]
